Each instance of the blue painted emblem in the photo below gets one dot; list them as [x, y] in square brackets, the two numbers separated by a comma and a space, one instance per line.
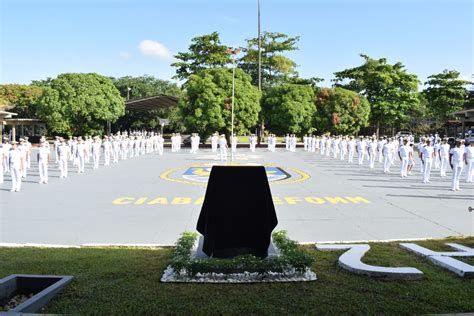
[201, 174]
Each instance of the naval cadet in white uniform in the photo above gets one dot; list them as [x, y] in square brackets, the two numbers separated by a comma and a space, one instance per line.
[457, 163]
[16, 159]
[223, 148]
[469, 158]
[44, 156]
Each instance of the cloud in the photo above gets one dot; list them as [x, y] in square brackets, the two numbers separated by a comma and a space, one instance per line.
[155, 49]
[125, 55]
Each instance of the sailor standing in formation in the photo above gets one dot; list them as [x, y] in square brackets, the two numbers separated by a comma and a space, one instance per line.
[16, 162]
[214, 141]
[195, 139]
[469, 158]
[253, 142]
[44, 156]
[223, 148]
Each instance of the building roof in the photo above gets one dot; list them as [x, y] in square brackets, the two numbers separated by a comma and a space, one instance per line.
[7, 115]
[464, 112]
[150, 103]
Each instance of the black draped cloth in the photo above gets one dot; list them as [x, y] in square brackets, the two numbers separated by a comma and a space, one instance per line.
[238, 215]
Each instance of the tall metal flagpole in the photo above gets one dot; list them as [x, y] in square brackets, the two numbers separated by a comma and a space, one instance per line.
[259, 52]
[233, 52]
[233, 93]
[260, 135]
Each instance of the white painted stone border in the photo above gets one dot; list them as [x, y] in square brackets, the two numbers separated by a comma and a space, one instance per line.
[351, 261]
[445, 259]
[169, 276]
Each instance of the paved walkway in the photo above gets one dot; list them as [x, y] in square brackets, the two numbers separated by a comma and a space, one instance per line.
[152, 199]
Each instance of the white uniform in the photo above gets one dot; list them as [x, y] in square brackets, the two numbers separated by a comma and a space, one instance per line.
[469, 152]
[96, 154]
[214, 142]
[233, 142]
[6, 165]
[3, 153]
[444, 156]
[360, 146]
[343, 149]
[322, 145]
[16, 160]
[386, 157]
[293, 143]
[372, 147]
[107, 151]
[427, 162]
[287, 142]
[253, 142]
[56, 145]
[437, 161]
[380, 144]
[223, 148]
[161, 142]
[64, 153]
[25, 150]
[43, 158]
[81, 156]
[404, 155]
[458, 165]
[350, 151]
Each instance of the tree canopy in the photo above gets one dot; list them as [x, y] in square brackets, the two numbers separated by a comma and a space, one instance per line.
[288, 108]
[205, 52]
[22, 98]
[340, 111]
[390, 89]
[76, 103]
[206, 104]
[276, 67]
[445, 94]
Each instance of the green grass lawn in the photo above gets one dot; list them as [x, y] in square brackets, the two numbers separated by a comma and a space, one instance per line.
[126, 281]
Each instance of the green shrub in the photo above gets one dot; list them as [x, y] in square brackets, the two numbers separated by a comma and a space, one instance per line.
[292, 258]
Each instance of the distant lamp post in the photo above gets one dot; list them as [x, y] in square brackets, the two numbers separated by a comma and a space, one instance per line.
[233, 52]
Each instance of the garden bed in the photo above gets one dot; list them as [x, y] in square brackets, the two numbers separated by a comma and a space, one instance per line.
[289, 264]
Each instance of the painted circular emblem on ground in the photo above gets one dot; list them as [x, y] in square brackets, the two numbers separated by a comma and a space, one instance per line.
[199, 174]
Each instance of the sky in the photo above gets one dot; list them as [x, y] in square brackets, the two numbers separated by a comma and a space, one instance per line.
[43, 38]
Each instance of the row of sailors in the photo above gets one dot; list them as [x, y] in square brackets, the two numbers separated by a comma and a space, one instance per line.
[16, 158]
[438, 155]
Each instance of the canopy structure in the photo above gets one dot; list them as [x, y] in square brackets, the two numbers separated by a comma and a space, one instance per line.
[3, 116]
[28, 126]
[150, 103]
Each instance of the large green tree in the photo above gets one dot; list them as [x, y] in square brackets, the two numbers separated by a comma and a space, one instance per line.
[22, 99]
[445, 93]
[206, 104]
[147, 86]
[205, 52]
[390, 89]
[288, 108]
[340, 111]
[76, 103]
[276, 67]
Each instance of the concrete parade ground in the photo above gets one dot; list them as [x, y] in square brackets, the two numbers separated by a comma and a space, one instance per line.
[152, 199]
